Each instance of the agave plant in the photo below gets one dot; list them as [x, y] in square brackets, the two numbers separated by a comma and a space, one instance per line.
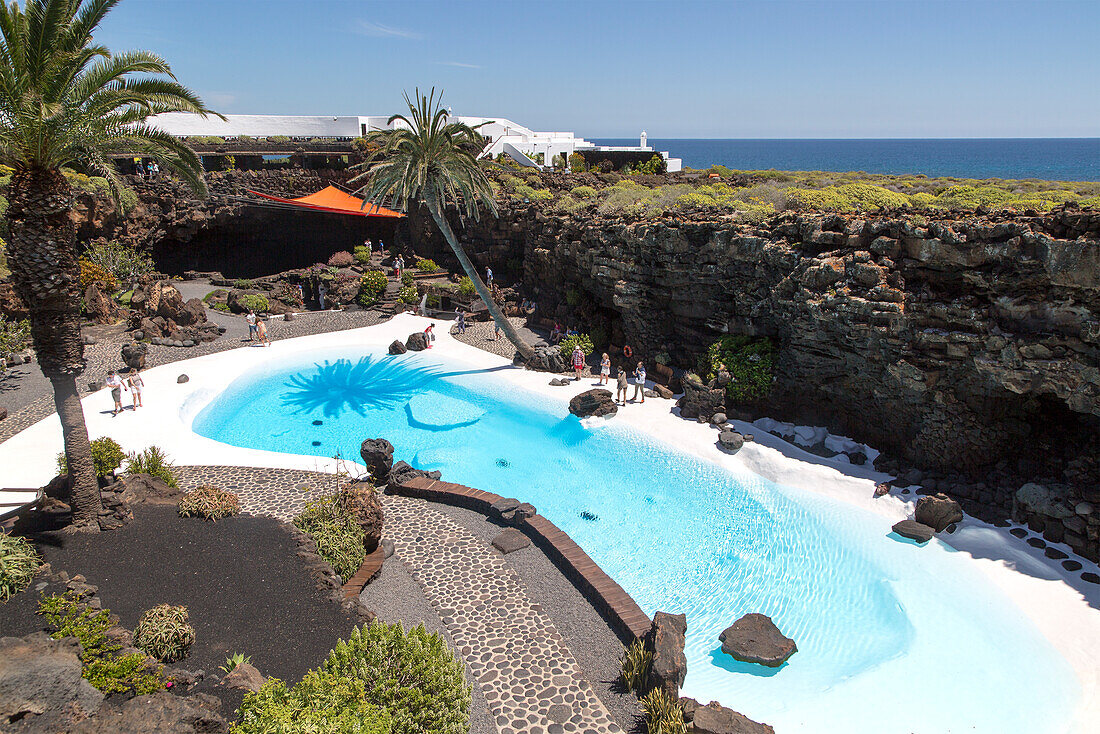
[235, 661]
[66, 100]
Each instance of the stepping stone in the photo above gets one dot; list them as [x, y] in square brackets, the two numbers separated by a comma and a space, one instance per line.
[1090, 577]
[510, 540]
[1019, 533]
[1071, 565]
[914, 530]
[1055, 554]
[1036, 542]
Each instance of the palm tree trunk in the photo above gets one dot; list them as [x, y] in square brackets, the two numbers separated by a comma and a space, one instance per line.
[524, 349]
[46, 275]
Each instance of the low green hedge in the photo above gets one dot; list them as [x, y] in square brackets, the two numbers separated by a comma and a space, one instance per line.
[107, 456]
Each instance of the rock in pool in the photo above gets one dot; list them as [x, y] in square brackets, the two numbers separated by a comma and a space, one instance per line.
[598, 402]
[755, 639]
[914, 530]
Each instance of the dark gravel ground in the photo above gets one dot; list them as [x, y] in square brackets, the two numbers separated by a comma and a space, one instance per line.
[244, 586]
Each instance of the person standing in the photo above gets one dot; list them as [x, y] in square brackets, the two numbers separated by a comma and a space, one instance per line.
[322, 291]
[261, 333]
[621, 385]
[398, 265]
[429, 335]
[381, 247]
[489, 277]
[115, 383]
[251, 319]
[136, 386]
[461, 321]
[639, 383]
[578, 361]
[605, 369]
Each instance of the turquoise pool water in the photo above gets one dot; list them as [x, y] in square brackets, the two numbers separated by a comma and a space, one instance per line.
[891, 637]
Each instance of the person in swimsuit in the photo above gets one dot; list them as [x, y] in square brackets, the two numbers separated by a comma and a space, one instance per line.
[136, 386]
[261, 333]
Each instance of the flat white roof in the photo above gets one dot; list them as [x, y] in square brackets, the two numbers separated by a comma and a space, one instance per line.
[185, 124]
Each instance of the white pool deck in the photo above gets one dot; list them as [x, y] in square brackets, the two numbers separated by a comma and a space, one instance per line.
[1062, 606]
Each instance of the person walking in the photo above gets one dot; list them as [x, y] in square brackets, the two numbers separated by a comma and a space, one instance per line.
[621, 387]
[578, 361]
[251, 319]
[117, 386]
[639, 383]
[136, 385]
[605, 369]
[261, 332]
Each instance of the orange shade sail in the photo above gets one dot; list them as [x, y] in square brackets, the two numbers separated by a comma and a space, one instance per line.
[332, 199]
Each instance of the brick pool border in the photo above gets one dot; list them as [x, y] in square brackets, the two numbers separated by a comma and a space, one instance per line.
[626, 617]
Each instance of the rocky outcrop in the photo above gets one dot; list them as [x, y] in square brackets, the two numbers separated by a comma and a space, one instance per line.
[700, 400]
[596, 402]
[403, 472]
[160, 314]
[715, 718]
[41, 688]
[938, 512]
[755, 639]
[417, 342]
[99, 306]
[666, 641]
[133, 354]
[366, 506]
[244, 677]
[377, 455]
[396, 347]
[161, 712]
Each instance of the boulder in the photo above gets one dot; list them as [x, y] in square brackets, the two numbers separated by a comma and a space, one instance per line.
[666, 641]
[396, 347]
[730, 441]
[417, 342]
[700, 400]
[510, 540]
[717, 719]
[1048, 500]
[101, 308]
[914, 530]
[136, 489]
[244, 677]
[558, 382]
[377, 456]
[521, 512]
[182, 379]
[547, 359]
[191, 312]
[364, 503]
[755, 639]
[662, 391]
[403, 472]
[504, 504]
[938, 511]
[41, 686]
[597, 402]
[160, 712]
[133, 354]
[718, 419]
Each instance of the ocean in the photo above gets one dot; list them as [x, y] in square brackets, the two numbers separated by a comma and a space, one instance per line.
[1058, 159]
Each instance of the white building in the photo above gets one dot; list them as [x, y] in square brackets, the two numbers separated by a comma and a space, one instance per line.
[507, 137]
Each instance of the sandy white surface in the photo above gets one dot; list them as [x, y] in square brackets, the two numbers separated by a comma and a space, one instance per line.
[1062, 606]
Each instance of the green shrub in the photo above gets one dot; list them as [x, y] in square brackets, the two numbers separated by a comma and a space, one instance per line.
[634, 666]
[107, 456]
[124, 263]
[583, 340]
[215, 294]
[653, 166]
[407, 277]
[15, 336]
[101, 666]
[281, 139]
[584, 192]
[663, 714]
[569, 205]
[408, 295]
[5, 271]
[527, 193]
[164, 633]
[572, 296]
[466, 286]
[371, 286]
[235, 661]
[219, 306]
[427, 265]
[361, 254]
[577, 163]
[414, 677]
[254, 302]
[338, 536]
[19, 563]
[321, 703]
[210, 503]
[243, 284]
[749, 361]
[151, 461]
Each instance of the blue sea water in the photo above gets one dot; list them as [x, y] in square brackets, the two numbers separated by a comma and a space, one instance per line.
[1058, 159]
[880, 623]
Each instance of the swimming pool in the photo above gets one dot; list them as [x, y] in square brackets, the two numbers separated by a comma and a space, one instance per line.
[891, 637]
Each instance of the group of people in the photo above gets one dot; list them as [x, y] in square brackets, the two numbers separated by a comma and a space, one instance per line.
[131, 383]
[560, 332]
[151, 172]
[370, 245]
[257, 328]
[623, 381]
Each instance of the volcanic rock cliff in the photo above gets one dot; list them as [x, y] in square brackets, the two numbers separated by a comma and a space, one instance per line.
[967, 343]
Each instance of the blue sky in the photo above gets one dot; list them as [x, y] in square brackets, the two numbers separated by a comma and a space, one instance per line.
[890, 68]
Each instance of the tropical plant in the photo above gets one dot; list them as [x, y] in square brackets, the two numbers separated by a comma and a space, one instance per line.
[321, 703]
[337, 534]
[165, 633]
[152, 461]
[67, 100]
[413, 676]
[371, 286]
[634, 666]
[66, 616]
[663, 714]
[107, 456]
[431, 159]
[18, 565]
[210, 503]
[577, 163]
[576, 340]
[427, 265]
[749, 361]
[654, 165]
[235, 661]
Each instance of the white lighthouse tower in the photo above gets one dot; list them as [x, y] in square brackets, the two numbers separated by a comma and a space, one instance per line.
[644, 138]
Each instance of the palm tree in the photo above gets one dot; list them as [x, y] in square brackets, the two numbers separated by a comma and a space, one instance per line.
[428, 158]
[67, 101]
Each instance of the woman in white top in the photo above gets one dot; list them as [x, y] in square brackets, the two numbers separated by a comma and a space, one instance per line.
[136, 385]
[605, 369]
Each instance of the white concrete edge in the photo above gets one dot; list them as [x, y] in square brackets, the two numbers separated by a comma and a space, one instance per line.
[1065, 612]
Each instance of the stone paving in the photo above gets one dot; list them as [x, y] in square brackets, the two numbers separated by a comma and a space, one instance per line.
[530, 679]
